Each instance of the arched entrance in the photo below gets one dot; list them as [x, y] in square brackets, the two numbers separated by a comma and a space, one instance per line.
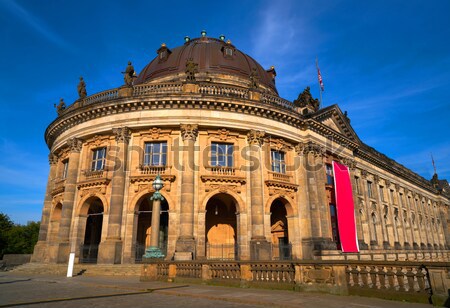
[281, 246]
[93, 231]
[144, 227]
[221, 228]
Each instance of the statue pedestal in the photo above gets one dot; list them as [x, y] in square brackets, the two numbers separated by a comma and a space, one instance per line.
[190, 88]
[125, 91]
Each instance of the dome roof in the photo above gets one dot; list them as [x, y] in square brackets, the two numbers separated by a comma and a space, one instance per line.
[212, 56]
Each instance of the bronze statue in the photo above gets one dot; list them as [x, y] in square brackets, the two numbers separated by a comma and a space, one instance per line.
[254, 79]
[129, 74]
[346, 116]
[60, 107]
[305, 99]
[191, 70]
[82, 88]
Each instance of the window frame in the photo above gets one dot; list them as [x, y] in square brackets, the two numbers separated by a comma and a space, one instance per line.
[96, 159]
[149, 156]
[278, 163]
[223, 155]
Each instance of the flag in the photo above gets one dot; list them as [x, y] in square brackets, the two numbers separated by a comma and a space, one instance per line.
[320, 78]
[345, 208]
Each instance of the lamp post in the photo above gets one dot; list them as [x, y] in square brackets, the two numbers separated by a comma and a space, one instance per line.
[154, 252]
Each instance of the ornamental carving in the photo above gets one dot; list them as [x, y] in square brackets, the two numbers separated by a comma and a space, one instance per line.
[74, 145]
[92, 191]
[155, 132]
[281, 192]
[310, 147]
[279, 144]
[189, 131]
[52, 158]
[376, 178]
[255, 137]
[349, 162]
[223, 188]
[397, 187]
[122, 134]
[364, 174]
[388, 183]
[223, 134]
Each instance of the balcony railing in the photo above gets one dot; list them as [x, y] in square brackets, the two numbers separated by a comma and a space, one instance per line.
[219, 170]
[153, 170]
[58, 186]
[277, 176]
[94, 174]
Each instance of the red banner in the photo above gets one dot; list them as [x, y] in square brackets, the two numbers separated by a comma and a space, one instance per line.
[345, 208]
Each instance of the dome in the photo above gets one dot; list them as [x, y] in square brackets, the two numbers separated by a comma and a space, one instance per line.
[213, 56]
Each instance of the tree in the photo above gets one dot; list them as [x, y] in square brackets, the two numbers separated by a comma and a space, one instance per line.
[15, 238]
[5, 226]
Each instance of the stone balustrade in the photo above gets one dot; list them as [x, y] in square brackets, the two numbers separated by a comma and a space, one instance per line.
[219, 170]
[411, 281]
[154, 170]
[283, 177]
[227, 91]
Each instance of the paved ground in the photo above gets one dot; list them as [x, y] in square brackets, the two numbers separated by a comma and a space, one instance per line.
[82, 291]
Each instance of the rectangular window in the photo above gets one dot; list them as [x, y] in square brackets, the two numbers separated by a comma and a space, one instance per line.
[278, 161]
[330, 175]
[222, 154]
[391, 192]
[381, 193]
[65, 168]
[98, 159]
[369, 189]
[155, 153]
[358, 188]
[334, 225]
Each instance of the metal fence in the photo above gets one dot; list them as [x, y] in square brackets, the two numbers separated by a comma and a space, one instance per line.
[88, 253]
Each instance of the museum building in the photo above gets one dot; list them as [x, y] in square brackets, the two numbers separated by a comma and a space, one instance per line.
[246, 174]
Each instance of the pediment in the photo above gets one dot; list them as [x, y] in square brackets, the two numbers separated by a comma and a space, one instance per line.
[333, 118]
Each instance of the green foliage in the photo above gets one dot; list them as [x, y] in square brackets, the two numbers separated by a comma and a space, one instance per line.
[17, 239]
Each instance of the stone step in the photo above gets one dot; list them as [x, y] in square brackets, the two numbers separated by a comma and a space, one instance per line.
[80, 269]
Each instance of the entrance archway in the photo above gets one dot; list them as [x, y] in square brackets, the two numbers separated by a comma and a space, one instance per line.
[281, 246]
[93, 231]
[221, 228]
[144, 227]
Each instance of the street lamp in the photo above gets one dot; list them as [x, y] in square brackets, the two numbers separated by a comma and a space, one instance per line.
[154, 252]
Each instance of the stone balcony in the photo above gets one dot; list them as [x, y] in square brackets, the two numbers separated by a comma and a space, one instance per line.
[143, 175]
[90, 178]
[58, 186]
[281, 183]
[223, 178]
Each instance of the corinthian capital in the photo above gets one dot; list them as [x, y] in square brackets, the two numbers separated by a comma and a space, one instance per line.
[189, 131]
[122, 134]
[74, 144]
[304, 148]
[255, 137]
[52, 158]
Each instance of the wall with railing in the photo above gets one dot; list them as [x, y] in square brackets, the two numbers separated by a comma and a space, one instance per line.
[410, 281]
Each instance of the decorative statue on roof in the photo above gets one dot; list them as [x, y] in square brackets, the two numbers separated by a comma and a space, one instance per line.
[191, 70]
[346, 116]
[60, 107]
[81, 88]
[254, 79]
[129, 74]
[305, 99]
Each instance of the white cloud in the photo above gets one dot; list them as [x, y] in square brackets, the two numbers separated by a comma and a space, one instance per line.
[36, 24]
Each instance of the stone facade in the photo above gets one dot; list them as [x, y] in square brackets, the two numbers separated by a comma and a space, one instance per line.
[269, 197]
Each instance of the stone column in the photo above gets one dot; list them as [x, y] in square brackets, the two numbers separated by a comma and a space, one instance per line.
[110, 251]
[75, 146]
[259, 246]
[371, 225]
[320, 238]
[404, 220]
[359, 229]
[39, 253]
[381, 211]
[154, 252]
[185, 247]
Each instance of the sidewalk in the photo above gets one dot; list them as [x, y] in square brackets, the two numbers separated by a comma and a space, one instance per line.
[51, 291]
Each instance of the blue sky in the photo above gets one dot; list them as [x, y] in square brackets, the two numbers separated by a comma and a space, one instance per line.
[386, 62]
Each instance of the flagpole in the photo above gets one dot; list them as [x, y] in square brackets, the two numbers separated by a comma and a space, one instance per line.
[318, 81]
